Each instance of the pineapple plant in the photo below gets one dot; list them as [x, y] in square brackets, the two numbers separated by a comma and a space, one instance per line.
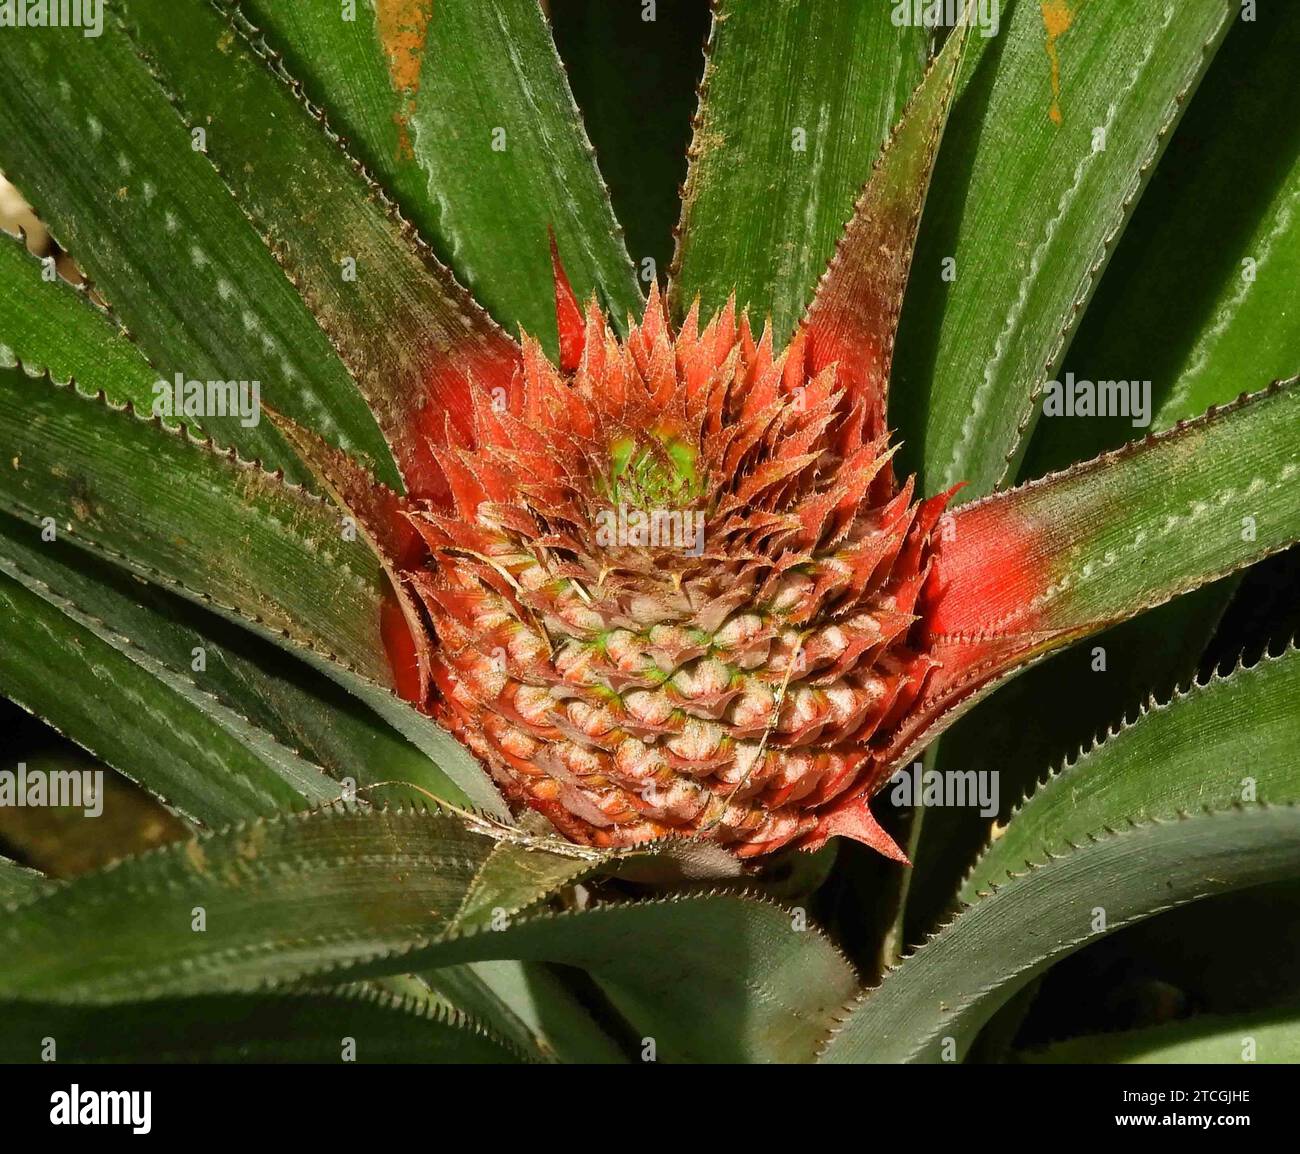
[484, 634]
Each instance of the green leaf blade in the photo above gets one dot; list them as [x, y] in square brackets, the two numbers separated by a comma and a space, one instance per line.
[1144, 770]
[1269, 1037]
[49, 326]
[145, 200]
[1174, 309]
[529, 1004]
[167, 507]
[953, 985]
[56, 666]
[1027, 199]
[207, 682]
[18, 883]
[280, 900]
[420, 90]
[731, 979]
[853, 319]
[1141, 843]
[761, 215]
[410, 335]
[1198, 297]
[1065, 556]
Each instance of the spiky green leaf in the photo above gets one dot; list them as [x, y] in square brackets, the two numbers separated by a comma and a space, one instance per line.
[410, 335]
[95, 145]
[216, 721]
[730, 978]
[167, 509]
[278, 899]
[1178, 756]
[1144, 845]
[1057, 123]
[199, 757]
[1027, 571]
[529, 1004]
[1175, 309]
[47, 325]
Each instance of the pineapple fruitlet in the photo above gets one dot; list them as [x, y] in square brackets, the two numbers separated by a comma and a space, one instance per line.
[609, 607]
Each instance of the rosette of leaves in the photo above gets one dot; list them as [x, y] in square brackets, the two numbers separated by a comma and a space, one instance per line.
[440, 770]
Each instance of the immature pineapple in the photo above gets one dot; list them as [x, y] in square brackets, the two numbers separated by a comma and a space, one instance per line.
[734, 663]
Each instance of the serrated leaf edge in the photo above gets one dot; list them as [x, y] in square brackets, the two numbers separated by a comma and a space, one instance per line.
[1107, 837]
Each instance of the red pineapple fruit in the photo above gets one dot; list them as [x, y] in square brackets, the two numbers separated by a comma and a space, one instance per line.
[674, 588]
